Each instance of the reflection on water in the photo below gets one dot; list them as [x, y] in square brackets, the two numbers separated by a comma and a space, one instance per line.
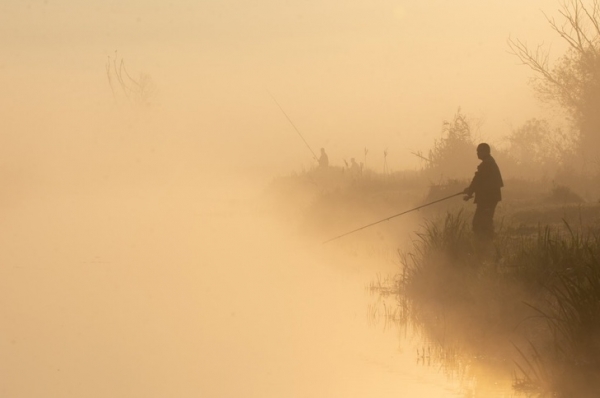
[189, 291]
[449, 338]
[475, 375]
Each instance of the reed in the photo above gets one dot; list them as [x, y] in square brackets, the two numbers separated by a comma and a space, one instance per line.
[541, 291]
[440, 264]
[570, 307]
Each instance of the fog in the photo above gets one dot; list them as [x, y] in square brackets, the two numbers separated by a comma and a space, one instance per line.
[189, 292]
[366, 74]
[138, 258]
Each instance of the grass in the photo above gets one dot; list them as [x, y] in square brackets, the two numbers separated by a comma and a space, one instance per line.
[538, 293]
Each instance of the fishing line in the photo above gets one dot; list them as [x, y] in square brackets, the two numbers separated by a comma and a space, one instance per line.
[395, 215]
[293, 125]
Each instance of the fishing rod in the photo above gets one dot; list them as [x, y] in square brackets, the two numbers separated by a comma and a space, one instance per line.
[395, 215]
[293, 125]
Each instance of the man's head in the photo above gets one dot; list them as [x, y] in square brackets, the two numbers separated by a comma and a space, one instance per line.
[483, 151]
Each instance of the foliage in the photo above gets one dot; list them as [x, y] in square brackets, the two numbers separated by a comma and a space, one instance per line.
[542, 293]
[536, 150]
[447, 158]
[564, 268]
[563, 194]
[439, 250]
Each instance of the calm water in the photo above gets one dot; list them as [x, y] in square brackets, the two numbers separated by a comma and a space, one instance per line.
[189, 291]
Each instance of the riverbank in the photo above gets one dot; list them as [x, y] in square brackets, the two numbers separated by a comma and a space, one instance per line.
[528, 304]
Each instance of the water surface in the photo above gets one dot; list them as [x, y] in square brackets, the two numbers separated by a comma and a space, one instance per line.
[191, 290]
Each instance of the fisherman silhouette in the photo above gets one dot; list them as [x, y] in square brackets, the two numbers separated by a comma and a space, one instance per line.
[485, 186]
[323, 159]
[354, 168]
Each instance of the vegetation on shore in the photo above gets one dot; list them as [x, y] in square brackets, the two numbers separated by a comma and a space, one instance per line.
[533, 297]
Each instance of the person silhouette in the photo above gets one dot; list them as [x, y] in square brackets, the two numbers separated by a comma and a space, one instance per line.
[323, 159]
[486, 188]
[355, 168]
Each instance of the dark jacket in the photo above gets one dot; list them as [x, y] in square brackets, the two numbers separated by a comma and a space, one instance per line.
[487, 182]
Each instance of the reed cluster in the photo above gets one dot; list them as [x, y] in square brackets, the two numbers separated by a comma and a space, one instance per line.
[534, 299]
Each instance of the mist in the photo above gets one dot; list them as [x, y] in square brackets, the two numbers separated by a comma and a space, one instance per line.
[377, 75]
[140, 253]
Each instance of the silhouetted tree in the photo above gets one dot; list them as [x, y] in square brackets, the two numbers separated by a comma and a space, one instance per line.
[573, 81]
[537, 149]
[453, 154]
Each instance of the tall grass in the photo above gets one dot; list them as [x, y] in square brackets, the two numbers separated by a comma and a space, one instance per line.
[570, 305]
[440, 260]
[539, 294]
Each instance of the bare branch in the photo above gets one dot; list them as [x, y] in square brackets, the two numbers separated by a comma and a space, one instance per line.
[593, 16]
[419, 155]
[563, 33]
[538, 61]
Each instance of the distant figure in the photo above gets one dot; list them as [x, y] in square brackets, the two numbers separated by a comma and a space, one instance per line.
[354, 168]
[485, 186]
[323, 159]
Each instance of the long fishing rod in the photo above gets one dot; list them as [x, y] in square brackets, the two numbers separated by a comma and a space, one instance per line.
[395, 215]
[293, 125]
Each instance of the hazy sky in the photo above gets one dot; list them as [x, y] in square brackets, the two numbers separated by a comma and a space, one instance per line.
[350, 74]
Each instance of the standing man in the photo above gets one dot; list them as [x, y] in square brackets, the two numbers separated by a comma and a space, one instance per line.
[323, 159]
[354, 169]
[485, 186]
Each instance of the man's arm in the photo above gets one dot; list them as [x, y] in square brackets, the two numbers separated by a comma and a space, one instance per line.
[470, 190]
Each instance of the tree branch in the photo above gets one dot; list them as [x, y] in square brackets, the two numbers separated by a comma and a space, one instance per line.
[538, 62]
